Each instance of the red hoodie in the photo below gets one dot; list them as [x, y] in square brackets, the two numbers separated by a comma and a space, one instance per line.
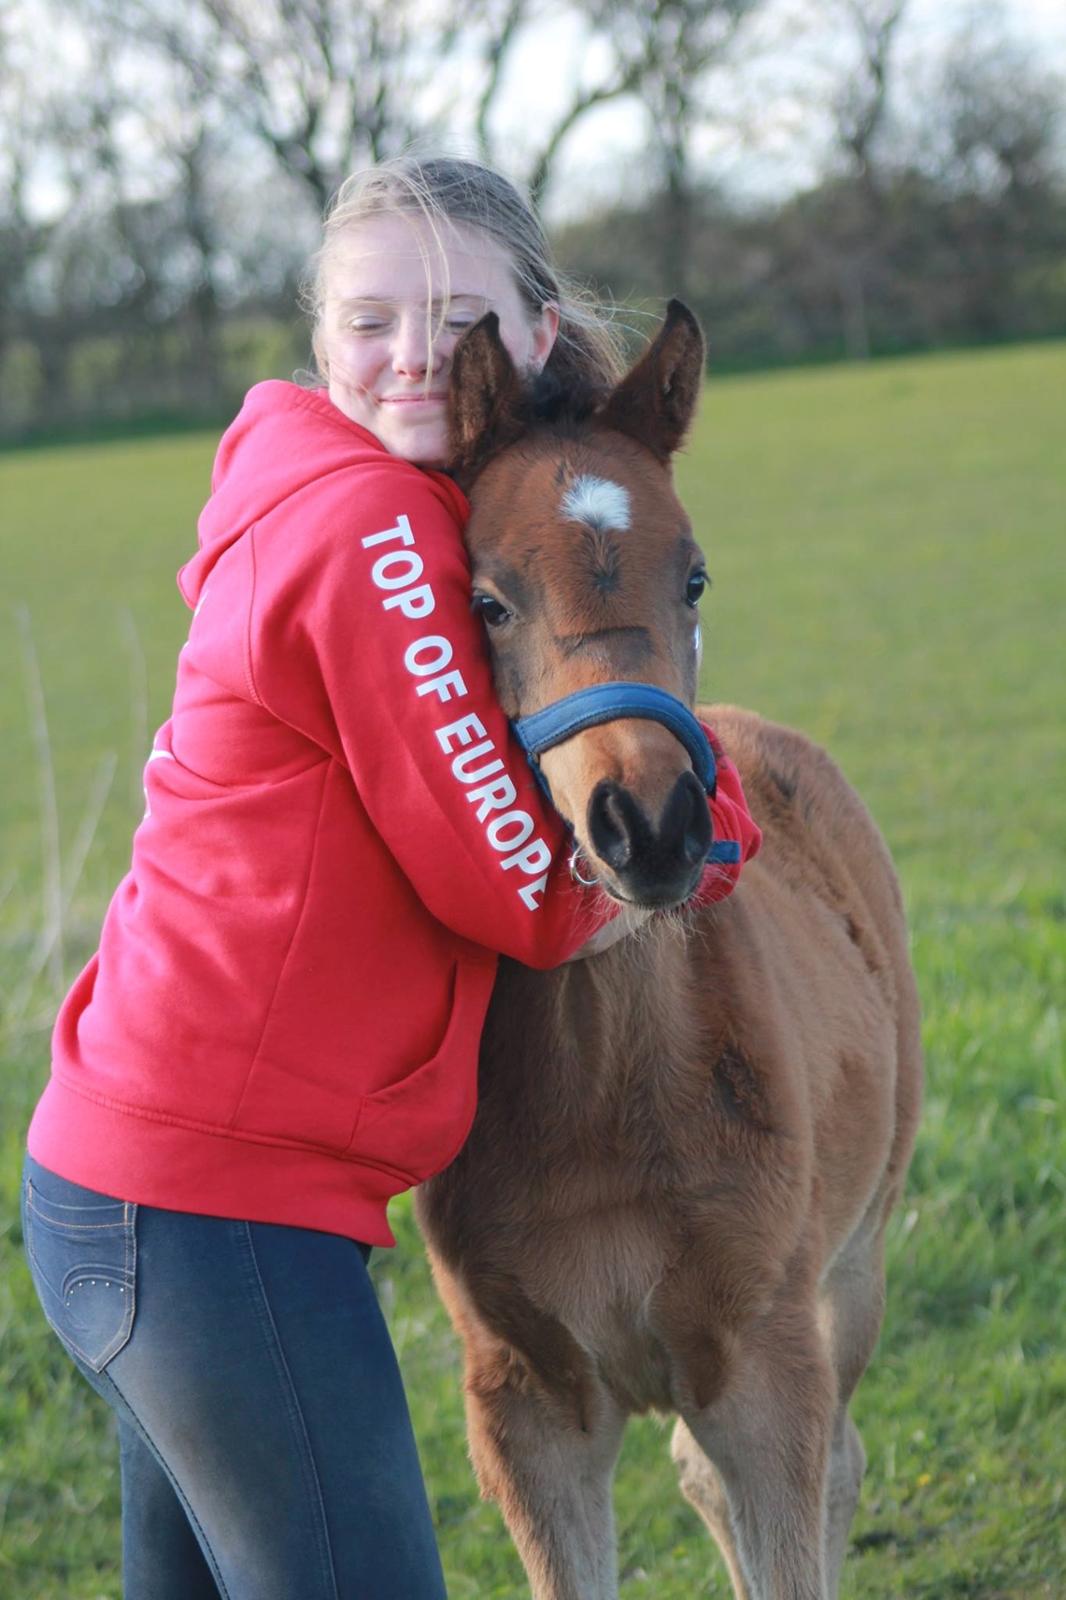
[282, 1020]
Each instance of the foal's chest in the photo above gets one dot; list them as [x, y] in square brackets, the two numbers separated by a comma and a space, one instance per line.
[597, 1274]
[613, 1200]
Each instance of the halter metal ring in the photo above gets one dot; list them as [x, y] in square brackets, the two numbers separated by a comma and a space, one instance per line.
[575, 872]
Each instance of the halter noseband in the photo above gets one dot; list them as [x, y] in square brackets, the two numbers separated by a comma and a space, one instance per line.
[606, 702]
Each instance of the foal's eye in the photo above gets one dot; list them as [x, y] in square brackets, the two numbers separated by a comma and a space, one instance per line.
[694, 588]
[491, 612]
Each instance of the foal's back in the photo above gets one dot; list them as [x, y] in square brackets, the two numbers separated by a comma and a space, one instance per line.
[822, 909]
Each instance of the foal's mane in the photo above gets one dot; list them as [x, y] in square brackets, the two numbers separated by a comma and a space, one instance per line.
[536, 407]
[546, 402]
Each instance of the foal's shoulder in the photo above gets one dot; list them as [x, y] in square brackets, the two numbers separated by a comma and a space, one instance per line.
[798, 795]
[772, 760]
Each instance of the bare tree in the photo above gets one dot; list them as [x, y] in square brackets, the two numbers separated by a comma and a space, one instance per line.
[681, 41]
[998, 123]
[323, 84]
[25, 117]
[860, 106]
[1000, 114]
[859, 110]
[503, 29]
[503, 32]
[658, 55]
[660, 52]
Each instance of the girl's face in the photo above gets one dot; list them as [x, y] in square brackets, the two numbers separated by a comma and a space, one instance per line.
[396, 305]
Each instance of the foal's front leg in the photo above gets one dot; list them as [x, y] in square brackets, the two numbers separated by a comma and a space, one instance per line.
[768, 1437]
[552, 1478]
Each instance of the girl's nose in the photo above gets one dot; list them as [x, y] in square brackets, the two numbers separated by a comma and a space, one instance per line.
[415, 350]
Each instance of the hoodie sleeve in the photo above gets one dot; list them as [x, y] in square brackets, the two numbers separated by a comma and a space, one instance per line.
[361, 635]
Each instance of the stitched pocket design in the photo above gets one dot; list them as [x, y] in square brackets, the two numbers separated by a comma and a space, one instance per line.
[83, 1259]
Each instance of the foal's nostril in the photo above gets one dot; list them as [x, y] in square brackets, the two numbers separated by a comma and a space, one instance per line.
[614, 821]
[686, 819]
[655, 863]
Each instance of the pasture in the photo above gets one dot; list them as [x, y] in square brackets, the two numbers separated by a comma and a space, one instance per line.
[887, 549]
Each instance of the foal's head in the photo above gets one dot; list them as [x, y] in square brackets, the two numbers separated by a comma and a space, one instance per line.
[585, 572]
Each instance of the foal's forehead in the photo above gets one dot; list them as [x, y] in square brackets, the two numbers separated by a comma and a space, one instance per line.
[604, 487]
[599, 503]
[562, 494]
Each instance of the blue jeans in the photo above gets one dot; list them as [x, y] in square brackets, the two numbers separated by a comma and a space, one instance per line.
[265, 1444]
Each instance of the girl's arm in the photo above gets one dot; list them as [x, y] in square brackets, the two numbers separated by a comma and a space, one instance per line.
[363, 634]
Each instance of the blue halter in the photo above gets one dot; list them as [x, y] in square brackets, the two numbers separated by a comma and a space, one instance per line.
[606, 702]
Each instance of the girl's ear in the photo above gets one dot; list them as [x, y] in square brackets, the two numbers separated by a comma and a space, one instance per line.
[545, 333]
[656, 401]
[485, 400]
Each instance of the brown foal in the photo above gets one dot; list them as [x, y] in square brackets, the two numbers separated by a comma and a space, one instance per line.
[675, 1192]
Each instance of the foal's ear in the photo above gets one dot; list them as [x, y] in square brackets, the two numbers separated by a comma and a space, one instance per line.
[485, 410]
[656, 401]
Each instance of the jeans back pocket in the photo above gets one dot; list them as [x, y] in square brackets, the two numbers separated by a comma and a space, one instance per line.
[82, 1250]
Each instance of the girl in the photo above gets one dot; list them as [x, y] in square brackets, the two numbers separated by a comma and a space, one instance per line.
[279, 1031]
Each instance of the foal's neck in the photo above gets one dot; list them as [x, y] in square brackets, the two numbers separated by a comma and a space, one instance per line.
[588, 1028]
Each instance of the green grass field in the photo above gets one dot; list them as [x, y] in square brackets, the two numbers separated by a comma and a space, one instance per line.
[887, 547]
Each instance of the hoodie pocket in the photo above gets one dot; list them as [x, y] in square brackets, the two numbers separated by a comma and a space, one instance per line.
[418, 1124]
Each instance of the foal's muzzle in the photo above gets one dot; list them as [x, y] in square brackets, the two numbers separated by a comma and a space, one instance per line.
[655, 864]
[652, 865]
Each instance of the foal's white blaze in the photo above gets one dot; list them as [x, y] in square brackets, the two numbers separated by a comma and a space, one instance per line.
[597, 502]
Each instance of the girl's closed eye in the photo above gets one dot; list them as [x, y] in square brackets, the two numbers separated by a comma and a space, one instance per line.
[458, 314]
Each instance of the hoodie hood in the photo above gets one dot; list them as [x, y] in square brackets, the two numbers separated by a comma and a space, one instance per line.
[283, 439]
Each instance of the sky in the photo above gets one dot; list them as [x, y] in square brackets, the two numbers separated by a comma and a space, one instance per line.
[773, 129]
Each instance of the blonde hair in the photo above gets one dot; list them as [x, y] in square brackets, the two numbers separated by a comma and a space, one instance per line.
[445, 191]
